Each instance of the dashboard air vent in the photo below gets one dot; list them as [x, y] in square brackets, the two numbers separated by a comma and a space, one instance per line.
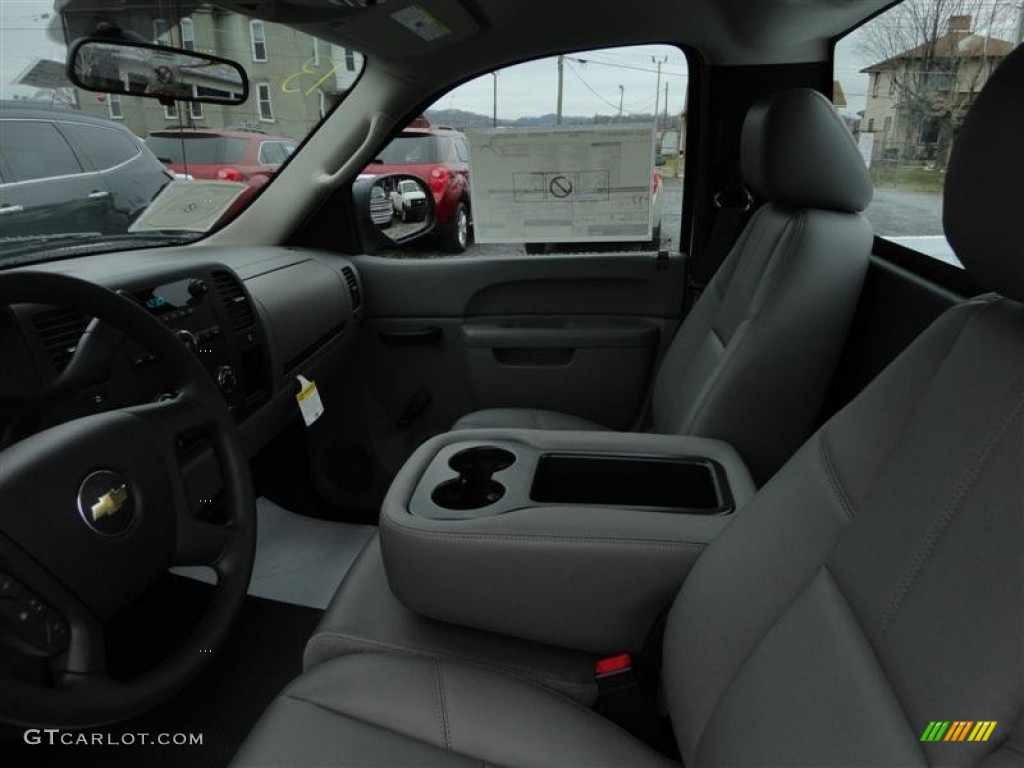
[236, 303]
[353, 287]
[60, 330]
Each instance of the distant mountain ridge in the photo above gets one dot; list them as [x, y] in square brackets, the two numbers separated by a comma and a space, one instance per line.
[462, 119]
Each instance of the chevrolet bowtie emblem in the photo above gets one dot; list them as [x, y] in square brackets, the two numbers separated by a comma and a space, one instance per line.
[109, 503]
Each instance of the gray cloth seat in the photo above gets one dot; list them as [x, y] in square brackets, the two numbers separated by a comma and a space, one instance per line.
[526, 418]
[751, 362]
[874, 586]
[365, 616]
[383, 710]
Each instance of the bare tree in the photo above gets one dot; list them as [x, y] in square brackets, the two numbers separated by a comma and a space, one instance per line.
[938, 54]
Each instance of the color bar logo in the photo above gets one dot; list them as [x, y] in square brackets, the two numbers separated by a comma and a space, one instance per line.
[958, 730]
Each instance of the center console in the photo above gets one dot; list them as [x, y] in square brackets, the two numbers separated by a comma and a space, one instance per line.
[577, 539]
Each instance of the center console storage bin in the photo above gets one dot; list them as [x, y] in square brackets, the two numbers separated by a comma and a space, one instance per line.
[575, 539]
[693, 486]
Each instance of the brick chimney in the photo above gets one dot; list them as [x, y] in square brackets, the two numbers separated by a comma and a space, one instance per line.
[959, 23]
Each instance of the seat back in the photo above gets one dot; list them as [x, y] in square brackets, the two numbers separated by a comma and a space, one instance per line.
[867, 607]
[751, 363]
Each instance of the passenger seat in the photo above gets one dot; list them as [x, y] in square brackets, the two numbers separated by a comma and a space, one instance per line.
[751, 362]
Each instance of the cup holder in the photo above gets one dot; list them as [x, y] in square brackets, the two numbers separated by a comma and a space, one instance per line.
[474, 487]
[483, 460]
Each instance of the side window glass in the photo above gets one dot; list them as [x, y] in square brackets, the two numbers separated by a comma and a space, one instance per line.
[100, 148]
[903, 83]
[271, 153]
[42, 151]
[578, 152]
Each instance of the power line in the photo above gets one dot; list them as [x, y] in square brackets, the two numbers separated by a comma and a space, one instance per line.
[579, 60]
[587, 86]
[599, 96]
[639, 102]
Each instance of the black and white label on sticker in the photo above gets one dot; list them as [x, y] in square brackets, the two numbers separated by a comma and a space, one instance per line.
[310, 404]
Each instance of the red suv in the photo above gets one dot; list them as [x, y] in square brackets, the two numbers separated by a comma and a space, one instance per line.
[439, 156]
[249, 156]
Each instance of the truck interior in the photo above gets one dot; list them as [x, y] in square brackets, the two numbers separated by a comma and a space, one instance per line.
[751, 497]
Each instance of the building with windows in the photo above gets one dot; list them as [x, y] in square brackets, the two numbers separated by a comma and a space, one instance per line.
[917, 98]
[294, 78]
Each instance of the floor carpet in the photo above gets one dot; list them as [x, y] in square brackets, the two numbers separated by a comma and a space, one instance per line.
[299, 559]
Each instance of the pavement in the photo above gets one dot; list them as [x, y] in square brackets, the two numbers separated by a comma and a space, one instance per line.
[894, 213]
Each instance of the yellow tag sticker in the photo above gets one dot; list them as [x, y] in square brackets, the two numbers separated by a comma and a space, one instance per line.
[310, 404]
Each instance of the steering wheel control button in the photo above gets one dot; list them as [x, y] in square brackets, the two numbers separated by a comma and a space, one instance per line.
[106, 503]
[19, 620]
[29, 619]
[9, 587]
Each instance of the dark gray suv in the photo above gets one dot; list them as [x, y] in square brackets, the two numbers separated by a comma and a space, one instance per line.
[64, 172]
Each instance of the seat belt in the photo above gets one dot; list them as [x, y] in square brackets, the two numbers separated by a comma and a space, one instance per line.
[623, 699]
[732, 209]
[732, 205]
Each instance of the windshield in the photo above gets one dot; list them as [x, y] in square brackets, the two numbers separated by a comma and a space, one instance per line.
[86, 172]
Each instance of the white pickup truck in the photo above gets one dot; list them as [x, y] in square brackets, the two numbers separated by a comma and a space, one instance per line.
[409, 201]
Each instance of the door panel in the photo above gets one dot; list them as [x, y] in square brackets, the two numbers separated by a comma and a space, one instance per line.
[552, 363]
[443, 337]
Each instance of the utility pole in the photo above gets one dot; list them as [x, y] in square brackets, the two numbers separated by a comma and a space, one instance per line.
[494, 115]
[684, 126]
[561, 68]
[664, 123]
[621, 91]
[657, 87]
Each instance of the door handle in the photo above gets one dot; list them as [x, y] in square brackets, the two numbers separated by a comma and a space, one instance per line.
[98, 195]
[412, 337]
[11, 209]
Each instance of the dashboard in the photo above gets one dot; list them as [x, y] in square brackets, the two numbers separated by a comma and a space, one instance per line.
[257, 318]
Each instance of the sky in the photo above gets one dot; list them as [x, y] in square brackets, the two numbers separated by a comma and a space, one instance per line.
[590, 84]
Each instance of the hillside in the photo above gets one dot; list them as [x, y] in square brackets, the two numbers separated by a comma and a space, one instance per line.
[462, 119]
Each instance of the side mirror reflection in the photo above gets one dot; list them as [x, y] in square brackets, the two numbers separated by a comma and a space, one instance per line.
[399, 207]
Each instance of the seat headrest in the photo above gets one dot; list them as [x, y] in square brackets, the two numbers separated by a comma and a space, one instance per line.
[982, 208]
[796, 152]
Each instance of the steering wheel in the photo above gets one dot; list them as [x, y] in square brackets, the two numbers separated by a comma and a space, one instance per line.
[93, 511]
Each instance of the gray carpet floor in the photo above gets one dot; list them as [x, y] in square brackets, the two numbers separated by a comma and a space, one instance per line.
[299, 560]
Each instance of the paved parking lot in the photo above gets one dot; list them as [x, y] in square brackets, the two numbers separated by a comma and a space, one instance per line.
[896, 213]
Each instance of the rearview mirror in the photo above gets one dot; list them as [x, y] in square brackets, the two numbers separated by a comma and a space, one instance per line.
[156, 72]
[394, 209]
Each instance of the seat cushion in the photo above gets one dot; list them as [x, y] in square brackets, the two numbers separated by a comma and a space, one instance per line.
[525, 418]
[365, 616]
[383, 710]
